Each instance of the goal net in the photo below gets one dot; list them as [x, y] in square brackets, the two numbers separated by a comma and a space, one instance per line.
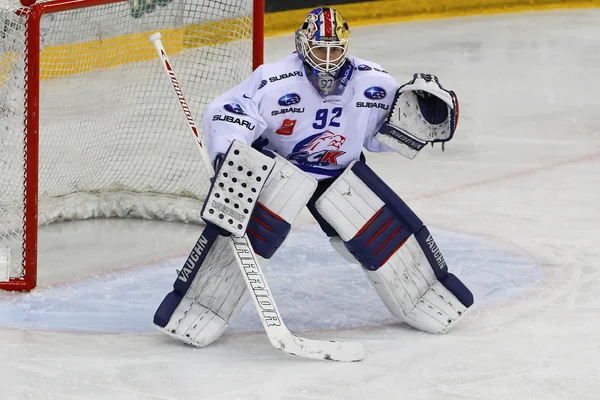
[95, 131]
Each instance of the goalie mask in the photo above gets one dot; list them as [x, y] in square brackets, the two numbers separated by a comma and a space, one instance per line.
[322, 44]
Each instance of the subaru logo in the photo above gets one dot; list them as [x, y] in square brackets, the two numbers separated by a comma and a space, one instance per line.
[289, 99]
[375, 93]
[234, 108]
[364, 67]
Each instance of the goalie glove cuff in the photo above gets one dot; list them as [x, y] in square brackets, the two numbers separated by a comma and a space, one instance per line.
[399, 141]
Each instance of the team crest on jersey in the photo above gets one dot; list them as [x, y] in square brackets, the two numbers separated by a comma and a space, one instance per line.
[287, 127]
[318, 150]
[263, 83]
[289, 99]
[234, 108]
[375, 93]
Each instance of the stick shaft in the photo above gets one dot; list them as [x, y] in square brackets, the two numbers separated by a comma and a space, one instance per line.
[162, 54]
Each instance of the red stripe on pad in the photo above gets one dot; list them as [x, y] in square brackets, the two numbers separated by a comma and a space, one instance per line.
[251, 232]
[378, 232]
[262, 223]
[369, 222]
[395, 250]
[387, 241]
[270, 212]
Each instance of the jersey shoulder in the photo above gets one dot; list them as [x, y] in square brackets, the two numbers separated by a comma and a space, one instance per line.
[247, 96]
[366, 70]
[286, 70]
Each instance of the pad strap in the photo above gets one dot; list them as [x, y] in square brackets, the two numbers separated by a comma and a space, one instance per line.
[285, 194]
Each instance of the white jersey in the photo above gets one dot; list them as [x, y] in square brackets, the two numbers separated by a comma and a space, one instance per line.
[279, 105]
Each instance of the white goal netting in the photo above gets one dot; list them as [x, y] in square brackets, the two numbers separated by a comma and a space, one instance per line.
[112, 139]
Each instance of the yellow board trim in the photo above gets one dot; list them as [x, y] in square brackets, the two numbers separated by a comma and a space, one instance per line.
[75, 58]
[386, 11]
[78, 58]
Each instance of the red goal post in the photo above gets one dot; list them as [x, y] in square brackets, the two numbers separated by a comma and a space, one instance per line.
[88, 125]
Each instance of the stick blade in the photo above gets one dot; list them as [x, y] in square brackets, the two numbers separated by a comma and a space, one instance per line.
[329, 350]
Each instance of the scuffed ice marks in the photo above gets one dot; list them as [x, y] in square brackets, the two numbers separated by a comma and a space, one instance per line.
[314, 287]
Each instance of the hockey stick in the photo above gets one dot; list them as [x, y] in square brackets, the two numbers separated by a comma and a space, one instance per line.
[254, 277]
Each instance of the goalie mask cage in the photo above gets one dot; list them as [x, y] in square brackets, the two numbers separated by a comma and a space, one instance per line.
[88, 124]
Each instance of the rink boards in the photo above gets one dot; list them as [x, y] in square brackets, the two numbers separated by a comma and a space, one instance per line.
[93, 50]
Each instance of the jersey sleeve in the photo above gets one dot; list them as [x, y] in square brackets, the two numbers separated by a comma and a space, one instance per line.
[234, 115]
[378, 116]
[375, 146]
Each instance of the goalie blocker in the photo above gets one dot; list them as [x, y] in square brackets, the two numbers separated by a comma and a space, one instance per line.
[210, 290]
[397, 252]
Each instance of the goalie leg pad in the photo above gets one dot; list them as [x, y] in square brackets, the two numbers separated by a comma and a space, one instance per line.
[285, 194]
[209, 291]
[396, 250]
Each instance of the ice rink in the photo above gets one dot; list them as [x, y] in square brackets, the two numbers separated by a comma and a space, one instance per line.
[514, 203]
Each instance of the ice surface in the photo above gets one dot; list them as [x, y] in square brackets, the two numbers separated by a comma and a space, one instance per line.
[513, 203]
